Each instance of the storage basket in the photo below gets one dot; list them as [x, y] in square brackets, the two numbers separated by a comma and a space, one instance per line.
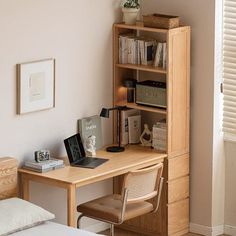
[161, 21]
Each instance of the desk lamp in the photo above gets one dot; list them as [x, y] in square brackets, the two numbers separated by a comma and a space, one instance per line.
[105, 113]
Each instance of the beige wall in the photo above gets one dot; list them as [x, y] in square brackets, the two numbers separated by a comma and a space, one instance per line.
[206, 203]
[79, 35]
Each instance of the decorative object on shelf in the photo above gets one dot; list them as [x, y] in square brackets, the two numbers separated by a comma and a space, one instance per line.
[41, 155]
[161, 21]
[159, 136]
[36, 86]
[130, 9]
[130, 84]
[89, 126]
[90, 147]
[151, 93]
[146, 137]
[105, 113]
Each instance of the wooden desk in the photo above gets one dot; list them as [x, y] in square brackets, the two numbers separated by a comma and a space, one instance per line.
[70, 178]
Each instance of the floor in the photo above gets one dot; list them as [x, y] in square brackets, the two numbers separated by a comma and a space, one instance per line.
[120, 232]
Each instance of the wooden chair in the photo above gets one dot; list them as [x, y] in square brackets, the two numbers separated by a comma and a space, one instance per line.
[138, 187]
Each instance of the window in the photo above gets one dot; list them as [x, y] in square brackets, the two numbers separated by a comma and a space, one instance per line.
[229, 69]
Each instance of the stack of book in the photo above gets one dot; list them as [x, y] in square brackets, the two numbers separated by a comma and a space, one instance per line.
[44, 166]
[159, 136]
[141, 51]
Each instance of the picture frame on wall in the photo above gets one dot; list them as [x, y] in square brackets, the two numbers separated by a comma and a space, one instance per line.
[35, 86]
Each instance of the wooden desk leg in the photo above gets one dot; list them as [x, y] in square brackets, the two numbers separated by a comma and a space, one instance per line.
[71, 206]
[25, 186]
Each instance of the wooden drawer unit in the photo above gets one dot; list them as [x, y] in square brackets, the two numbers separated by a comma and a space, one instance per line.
[178, 217]
[178, 189]
[178, 166]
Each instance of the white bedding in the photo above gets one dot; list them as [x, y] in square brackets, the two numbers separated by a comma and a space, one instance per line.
[53, 229]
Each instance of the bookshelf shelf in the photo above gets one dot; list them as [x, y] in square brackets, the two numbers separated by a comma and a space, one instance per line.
[174, 205]
[142, 107]
[148, 68]
[141, 27]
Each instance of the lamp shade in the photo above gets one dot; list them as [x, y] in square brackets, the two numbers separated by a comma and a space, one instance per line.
[104, 113]
[129, 83]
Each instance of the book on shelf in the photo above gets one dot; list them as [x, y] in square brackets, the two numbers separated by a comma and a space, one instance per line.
[43, 170]
[136, 50]
[44, 165]
[91, 126]
[134, 126]
[164, 55]
[124, 124]
[160, 55]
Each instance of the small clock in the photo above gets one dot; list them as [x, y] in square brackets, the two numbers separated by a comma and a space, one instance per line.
[42, 155]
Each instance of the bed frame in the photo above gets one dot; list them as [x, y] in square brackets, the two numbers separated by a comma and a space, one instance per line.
[8, 177]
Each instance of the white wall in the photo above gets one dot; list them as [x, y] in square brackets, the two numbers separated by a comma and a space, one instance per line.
[78, 34]
[206, 208]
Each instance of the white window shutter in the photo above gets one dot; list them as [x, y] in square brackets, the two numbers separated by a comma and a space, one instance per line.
[229, 69]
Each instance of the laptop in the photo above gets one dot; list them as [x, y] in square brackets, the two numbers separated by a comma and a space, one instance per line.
[76, 153]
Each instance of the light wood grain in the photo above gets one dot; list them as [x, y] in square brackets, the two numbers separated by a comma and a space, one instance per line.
[71, 205]
[178, 89]
[8, 177]
[70, 178]
[141, 107]
[178, 216]
[133, 158]
[148, 68]
[178, 189]
[178, 167]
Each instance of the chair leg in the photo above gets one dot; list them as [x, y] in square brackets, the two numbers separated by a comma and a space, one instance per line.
[112, 230]
[78, 221]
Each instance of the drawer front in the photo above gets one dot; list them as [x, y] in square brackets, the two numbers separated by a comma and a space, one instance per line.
[178, 189]
[178, 216]
[178, 166]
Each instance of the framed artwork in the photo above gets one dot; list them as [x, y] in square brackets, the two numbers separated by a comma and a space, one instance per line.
[36, 86]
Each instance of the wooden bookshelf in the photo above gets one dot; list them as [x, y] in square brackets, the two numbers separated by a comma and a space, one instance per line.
[172, 217]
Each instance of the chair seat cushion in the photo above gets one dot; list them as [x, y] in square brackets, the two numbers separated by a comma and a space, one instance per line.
[108, 208]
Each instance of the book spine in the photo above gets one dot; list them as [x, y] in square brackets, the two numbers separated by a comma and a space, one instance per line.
[158, 55]
[124, 128]
[164, 56]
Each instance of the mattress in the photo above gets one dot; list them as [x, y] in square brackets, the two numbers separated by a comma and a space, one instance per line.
[50, 228]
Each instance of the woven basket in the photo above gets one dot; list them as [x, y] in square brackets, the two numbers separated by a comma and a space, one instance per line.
[161, 21]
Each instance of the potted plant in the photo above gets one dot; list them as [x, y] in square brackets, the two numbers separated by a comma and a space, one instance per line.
[130, 9]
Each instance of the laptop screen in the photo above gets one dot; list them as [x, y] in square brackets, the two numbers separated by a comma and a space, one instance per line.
[74, 148]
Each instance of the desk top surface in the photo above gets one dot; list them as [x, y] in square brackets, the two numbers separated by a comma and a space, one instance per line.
[132, 158]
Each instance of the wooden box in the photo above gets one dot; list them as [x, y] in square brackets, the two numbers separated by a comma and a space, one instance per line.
[161, 21]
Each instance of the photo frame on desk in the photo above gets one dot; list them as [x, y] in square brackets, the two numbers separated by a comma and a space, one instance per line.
[35, 86]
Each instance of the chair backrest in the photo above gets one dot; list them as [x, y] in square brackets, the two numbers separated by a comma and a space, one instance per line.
[143, 184]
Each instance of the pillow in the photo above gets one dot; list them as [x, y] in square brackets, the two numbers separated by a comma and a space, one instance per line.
[17, 214]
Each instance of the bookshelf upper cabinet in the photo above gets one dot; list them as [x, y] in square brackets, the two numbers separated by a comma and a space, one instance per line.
[173, 217]
[175, 74]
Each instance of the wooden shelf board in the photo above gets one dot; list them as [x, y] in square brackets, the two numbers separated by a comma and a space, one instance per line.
[140, 27]
[142, 67]
[141, 107]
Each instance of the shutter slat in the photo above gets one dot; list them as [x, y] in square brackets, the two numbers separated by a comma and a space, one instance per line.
[229, 68]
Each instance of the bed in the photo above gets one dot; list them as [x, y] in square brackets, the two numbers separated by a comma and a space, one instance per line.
[8, 194]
